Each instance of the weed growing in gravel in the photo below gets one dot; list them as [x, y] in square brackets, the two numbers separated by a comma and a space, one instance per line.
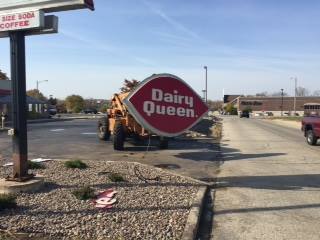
[84, 193]
[7, 201]
[75, 164]
[35, 165]
[116, 177]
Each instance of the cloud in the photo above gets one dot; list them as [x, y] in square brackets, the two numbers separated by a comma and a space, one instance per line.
[89, 42]
[175, 24]
[112, 50]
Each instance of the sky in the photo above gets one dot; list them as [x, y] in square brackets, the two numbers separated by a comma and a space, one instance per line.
[249, 46]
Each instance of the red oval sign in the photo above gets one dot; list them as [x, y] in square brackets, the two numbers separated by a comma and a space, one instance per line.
[165, 105]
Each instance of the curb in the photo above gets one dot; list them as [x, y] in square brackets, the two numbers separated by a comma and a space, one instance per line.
[51, 120]
[48, 120]
[4, 130]
[191, 227]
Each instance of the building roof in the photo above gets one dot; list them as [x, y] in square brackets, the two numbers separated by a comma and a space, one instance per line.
[8, 99]
[5, 85]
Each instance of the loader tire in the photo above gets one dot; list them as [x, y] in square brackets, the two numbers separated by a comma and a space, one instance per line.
[118, 136]
[164, 143]
[103, 129]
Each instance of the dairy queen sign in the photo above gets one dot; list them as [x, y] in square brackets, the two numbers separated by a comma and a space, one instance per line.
[166, 105]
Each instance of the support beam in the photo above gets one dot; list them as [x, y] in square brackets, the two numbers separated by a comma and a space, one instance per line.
[19, 107]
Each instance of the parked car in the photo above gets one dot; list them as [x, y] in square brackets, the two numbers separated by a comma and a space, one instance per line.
[90, 111]
[244, 114]
[311, 123]
[268, 114]
[52, 111]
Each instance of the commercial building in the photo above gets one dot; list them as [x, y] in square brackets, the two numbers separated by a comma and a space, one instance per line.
[34, 105]
[271, 105]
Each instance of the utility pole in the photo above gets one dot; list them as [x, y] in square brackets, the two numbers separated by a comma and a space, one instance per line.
[204, 95]
[206, 86]
[40, 82]
[295, 95]
[281, 102]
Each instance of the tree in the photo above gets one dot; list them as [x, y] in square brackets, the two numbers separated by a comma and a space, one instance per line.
[74, 103]
[128, 85]
[61, 106]
[262, 94]
[215, 105]
[231, 109]
[37, 95]
[316, 93]
[302, 92]
[279, 94]
[3, 76]
[52, 101]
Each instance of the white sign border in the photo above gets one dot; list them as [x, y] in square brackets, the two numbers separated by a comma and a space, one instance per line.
[132, 110]
[46, 5]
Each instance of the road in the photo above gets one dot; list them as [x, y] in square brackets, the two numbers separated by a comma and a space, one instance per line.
[268, 185]
[77, 139]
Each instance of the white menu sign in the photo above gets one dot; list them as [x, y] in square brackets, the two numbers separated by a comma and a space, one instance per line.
[21, 20]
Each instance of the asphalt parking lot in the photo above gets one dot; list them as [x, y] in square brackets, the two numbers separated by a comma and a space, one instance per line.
[77, 139]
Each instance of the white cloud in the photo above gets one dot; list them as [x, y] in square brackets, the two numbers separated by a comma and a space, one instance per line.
[175, 24]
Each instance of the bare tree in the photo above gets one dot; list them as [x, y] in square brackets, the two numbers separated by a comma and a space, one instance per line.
[128, 85]
[279, 94]
[302, 92]
[3, 76]
[316, 93]
[262, 94]
[215, 105]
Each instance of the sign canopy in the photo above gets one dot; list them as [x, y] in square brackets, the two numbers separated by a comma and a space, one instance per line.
[45, 5]
[165, 105]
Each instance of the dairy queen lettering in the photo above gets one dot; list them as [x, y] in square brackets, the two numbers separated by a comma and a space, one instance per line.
[165, 105]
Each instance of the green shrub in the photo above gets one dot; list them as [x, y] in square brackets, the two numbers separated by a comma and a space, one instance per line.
[116, 177]
[75, 164]
[84, 193]
[35, 165]
[7, 201]
[231, 109]
[36, 115]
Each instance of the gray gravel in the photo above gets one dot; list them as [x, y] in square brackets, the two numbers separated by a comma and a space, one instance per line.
[152, 210]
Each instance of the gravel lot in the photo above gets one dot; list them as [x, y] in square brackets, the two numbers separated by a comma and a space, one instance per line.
[144, 210]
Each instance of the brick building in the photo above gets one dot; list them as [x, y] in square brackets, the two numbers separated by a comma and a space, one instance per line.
[262, 105]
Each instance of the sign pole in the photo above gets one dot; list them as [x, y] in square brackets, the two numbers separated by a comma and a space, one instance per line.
[19, 106]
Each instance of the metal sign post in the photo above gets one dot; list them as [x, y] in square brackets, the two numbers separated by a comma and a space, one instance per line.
[18, 77]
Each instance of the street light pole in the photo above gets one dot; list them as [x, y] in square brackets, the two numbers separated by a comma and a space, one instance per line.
[204, 95]
[295, 95]
[40, 82]
[206, 89]
[281, 102]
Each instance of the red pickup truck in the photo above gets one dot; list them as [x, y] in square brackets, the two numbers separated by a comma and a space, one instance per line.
[311, 123]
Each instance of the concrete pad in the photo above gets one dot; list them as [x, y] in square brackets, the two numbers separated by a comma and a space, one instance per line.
[32, 185]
